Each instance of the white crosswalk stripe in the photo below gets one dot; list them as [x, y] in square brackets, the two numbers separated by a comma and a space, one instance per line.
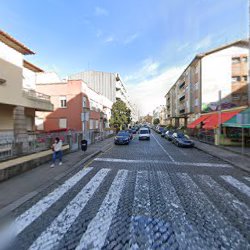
[101, 223]
[208, 212]
[182, 164]
[237, 184]
[50, 238]
[247, 178]
[227, 198]
[30, 215]
[186, 233]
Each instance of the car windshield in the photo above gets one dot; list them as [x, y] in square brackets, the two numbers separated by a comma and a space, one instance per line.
[122, 134]
[143, 132]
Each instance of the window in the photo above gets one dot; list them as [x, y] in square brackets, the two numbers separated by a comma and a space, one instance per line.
[196, 102]
[236, 79]
[96, 124]
[62, 123]
[63, 101]
[235, 60]
[244, 78]
[244, 59]
[235, 97]
[84, 102]
[91, 124]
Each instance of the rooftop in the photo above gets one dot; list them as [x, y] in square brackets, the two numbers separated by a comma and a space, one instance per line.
[13, 43]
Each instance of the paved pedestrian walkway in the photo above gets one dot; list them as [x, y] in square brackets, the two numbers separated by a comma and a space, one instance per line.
[21, 188]
[234, 158]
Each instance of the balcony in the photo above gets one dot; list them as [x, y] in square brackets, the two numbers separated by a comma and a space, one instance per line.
[182, 97]
[39, 101]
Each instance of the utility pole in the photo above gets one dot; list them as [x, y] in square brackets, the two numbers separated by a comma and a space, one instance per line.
[219, 118]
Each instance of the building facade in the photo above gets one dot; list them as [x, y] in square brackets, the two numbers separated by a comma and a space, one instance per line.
[77, 107]
[197, 89]
[18, 99]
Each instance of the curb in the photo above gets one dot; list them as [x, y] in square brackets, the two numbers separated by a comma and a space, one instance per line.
[223, 159]
[14, 205]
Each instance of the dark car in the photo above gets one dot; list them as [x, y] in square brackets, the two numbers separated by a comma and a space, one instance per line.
[134, 130]
[163, 132]
[181, 140]
[130, 133]
[123, 137]
[160, 130]
[169, 135]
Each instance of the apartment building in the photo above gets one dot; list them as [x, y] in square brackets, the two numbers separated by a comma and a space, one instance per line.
[196, 90]
[160, 113]
[77, 107]
[109, 85]
[18, 99]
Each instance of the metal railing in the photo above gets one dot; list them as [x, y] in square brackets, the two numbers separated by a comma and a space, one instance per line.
[30, 93]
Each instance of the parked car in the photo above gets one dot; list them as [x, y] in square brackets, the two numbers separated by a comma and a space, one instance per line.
[144, 134]
[169, 135]
[134, 130]
[122, 137]
[182, 140]
[163, 132]
[130, 133]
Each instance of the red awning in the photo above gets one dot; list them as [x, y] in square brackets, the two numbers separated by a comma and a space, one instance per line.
[212, 121]
[198, 121]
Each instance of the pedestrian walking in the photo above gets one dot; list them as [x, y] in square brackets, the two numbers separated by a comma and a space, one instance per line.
[57, 152]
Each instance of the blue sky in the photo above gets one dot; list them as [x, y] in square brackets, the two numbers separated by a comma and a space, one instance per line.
[148, 42]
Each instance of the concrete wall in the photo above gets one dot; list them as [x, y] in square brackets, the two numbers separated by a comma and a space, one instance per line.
[217, 74]
[6, 117]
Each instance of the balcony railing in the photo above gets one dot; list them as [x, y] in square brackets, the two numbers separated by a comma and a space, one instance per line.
[29, 93]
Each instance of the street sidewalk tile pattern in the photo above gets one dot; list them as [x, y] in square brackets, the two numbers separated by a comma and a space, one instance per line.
[146, 205]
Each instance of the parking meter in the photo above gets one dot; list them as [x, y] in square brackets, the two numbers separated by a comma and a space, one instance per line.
[84, 145]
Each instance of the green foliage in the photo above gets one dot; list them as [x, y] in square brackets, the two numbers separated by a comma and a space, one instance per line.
[156, 121]
[120, 115]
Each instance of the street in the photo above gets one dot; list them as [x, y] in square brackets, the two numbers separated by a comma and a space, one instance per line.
[147, 195]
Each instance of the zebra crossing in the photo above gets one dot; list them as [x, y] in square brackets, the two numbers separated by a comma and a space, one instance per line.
[193, 220]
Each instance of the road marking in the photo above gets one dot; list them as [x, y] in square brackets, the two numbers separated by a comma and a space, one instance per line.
[96, 233]
[239, 185]
[217, 228]
[30, 215]
[141, 214]
[186, 233]
[50, 238]
[196, 164]
[226, 197]
[247, 178]
[171, 158]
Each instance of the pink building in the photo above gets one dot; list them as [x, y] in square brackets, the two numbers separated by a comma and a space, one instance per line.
[76, 107]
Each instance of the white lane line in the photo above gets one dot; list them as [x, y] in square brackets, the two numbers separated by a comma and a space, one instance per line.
[197, 164]
[141, 212]
[96, 233]
[239, 185]
[186, 234]
[30, 215]
[51, 237]
[170, 157]
[226, 197]
[217, 225]
[247, 178]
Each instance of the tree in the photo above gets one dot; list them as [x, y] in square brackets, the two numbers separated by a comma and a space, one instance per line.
[156, 121]
[120, 114]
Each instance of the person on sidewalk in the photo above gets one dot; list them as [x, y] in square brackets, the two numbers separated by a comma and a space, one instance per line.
[57, 152]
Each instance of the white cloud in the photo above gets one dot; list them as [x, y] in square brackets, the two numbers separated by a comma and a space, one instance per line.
[183, 46]
[131, 38]
[109, 39]
[204, 43]
[148, 94]
[101, 11]
[148, 69]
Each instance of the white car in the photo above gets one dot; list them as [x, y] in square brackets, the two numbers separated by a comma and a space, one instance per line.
[144, 134]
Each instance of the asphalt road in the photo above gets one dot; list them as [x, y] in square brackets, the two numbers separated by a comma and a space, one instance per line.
[148, 195]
